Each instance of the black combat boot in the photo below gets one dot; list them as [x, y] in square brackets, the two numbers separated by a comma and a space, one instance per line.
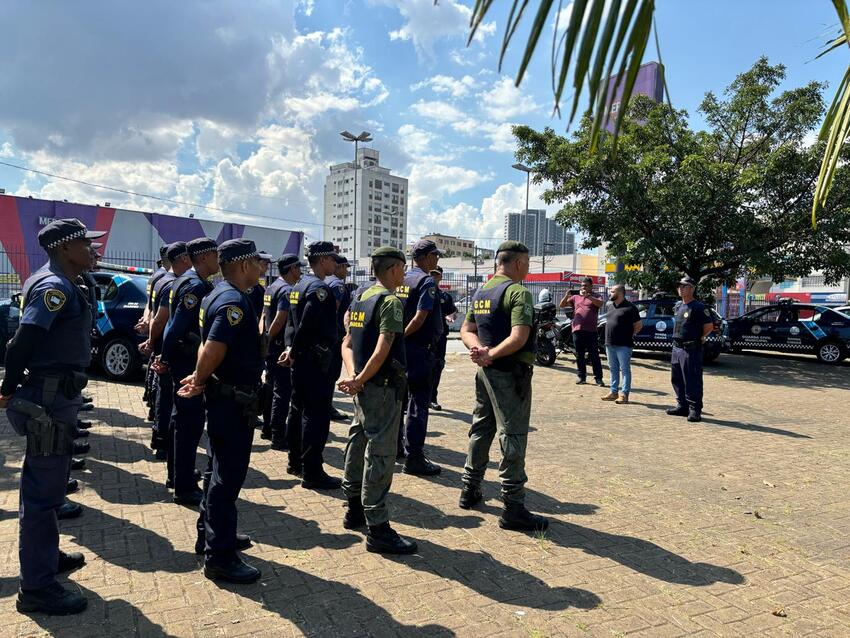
[336, 415]
[516, 517]
[53, 600]
[279, 444]
[234, 570]
[84, 425]
[319, 480]
[470, 496]
[243, 541]
[68, 510]
[78, 464]
[81, 434]
[192, 499]
[694, 416]
[72, 486]
[266, 432]
[81, 448]
[420, 466]
[383, 539]
[354, 516]
[70, 561]
[679, 410]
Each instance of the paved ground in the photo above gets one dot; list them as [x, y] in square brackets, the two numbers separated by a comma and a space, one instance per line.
[660, 527]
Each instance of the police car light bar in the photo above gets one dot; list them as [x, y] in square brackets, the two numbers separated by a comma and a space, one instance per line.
[137, 270]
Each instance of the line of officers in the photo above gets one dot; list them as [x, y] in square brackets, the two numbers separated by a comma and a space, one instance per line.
[209, 350]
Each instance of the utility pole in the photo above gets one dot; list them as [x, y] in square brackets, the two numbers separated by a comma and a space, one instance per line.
[364, 136]
[546, 244]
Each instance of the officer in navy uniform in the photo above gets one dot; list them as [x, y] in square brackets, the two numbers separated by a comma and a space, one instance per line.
[336, 282]
[53, 345]
[143, 327]
[163, 439]
[228, 372]
[447, 309]
[692, 323]
[278, 378]
[423, 326]
[180, 344]
[312, 335]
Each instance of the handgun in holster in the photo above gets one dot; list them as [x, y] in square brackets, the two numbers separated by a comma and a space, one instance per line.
[189, 345]
[44, 435]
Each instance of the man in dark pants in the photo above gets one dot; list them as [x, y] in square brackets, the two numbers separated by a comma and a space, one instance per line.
[585, 339]
[336, 282]
[423, 326]
[143, 327]
[447, 312]
[275, 315]
[691, 325]
[163, 441]
[53, 346]
[230, 365]
[180, 344]
[310, 344]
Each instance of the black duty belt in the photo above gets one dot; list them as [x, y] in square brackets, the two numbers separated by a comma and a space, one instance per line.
[687, 345]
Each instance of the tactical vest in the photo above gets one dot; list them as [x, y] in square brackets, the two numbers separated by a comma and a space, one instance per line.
[363, 324]
[243, 362]
[409, 293]
[175, 299]
[152, 282]
[494, 326]
[270, 301]
[159, 285]
[67, 345]
[327, 331]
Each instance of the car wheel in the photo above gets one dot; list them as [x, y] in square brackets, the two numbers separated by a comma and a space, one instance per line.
[829, 352]
[120, 359]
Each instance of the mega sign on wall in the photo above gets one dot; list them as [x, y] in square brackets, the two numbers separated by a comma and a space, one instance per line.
[130, 234]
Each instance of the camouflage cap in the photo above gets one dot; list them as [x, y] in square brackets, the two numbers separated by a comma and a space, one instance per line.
[389, 251]
[512, 246]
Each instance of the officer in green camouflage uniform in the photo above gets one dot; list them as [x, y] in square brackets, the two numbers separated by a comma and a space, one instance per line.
[499, 334]
[374, 356]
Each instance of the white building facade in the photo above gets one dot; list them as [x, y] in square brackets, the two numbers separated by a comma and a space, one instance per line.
[536, 231]
[381, 206]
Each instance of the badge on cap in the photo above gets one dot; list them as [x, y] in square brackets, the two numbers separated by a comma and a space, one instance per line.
[321, 294]
[54, 299]
[234, 315]
[190, 301]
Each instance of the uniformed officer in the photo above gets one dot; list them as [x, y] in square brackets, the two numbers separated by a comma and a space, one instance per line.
[163, 438]
[311, 337]
[336, 282]
[447, 312]
[180, 344]
[143, 328]
[53, 346]
[228, 372]
[691, 325]
[275, 315]
[423, 326]
[373, 352]
[499, 333]
[257, 292]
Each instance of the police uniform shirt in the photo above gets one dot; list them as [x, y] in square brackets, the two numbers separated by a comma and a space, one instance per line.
[425, 299]
[518, 304]
[312, 315]
[52, 302]
[447, 306]
[689, 319]
[185, 296]
[227, 317]
[154, 278]
[276, 300]
[161, 294]
[256, 294]
[343, 300]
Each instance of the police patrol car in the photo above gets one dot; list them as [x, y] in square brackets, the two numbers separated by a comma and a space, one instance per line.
[115, 343]
[792, 327]
[657, 314]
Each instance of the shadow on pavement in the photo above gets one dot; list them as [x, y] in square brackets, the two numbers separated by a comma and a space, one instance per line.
[272, 526]
[409, 511]
[116, 485]
[795, 371]
[116, 418]
[728, 424]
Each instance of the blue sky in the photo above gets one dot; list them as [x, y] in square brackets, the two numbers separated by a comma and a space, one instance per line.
[239, 105]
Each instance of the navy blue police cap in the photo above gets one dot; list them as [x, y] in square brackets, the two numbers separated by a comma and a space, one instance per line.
[176, 250]
[163, 251]
[687, 281]
[320, 249]
[61, 231]
[288, 260]
[425, 247]
[201, 245]
[239, 250]
[341, 260]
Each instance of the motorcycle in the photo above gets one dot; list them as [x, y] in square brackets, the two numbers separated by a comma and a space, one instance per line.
[553, 337]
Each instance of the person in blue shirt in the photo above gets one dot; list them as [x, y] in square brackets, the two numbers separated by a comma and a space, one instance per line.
[447, 312]
[143, 327]
[692, 323]
[336, 282]
[273, 323]
[423, 326]
[228, 373]
[45, 364]
[180, 343]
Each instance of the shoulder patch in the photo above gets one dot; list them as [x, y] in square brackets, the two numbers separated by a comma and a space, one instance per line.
[398, 312]
[54, 299]
[707, 312]
[190, 301]
[432, 290]
[234, 314]
[321, 294]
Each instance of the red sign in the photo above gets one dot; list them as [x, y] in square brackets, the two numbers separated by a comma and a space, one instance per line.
[804, 297]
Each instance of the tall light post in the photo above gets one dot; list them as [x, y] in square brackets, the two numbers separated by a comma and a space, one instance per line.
[525, 169]
[349, 137]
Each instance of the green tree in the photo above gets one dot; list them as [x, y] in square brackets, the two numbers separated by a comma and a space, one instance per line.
[712, 203]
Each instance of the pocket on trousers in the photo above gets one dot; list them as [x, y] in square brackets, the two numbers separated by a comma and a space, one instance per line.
[381, 413]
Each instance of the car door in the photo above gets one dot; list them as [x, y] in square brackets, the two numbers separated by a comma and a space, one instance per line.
[660, 323]
[805, 333]
[645, 337]
[759, 329]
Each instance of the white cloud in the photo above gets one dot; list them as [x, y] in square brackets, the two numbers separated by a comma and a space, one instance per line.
[456, 87]
[504, 100]
[415, 140]
[6, 150]
[438, 111]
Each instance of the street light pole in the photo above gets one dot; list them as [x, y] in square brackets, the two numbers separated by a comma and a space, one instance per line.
[364, 136]
[525, 169]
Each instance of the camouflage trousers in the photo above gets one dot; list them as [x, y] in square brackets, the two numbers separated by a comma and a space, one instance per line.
[503, 407]
[371, 449]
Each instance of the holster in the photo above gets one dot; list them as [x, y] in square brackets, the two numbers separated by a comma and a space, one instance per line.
[247, 396]
[45, 436]
[322, 356]
[395, 377]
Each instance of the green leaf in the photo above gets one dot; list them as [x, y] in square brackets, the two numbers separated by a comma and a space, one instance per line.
[835, 130]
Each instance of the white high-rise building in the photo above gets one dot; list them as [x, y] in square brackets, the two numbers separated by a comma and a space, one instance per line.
[535, 230]
[381, 206]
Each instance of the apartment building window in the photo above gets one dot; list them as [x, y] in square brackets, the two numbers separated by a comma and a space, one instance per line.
[395, 188]
[378, 184]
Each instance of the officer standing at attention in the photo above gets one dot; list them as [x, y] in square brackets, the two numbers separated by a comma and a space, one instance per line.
[228, 372]
[53, 346]
[499, 333]
[275, 314]
[423, 326]
[310, 344]
[373, 352]
[447, 312]
[163, 439]
[180, 345]
[143, 327]
[692, 323]
[336, 282]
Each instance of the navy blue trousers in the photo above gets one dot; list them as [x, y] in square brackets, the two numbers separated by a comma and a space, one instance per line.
[439, 364]
[231, 435]
[280, 379]
[309, 420]
[587, 347]
[163, 434]
[420, 377]
[187, 426]
[686, 377]
[43, 483]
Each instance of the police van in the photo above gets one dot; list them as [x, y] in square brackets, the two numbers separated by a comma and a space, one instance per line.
[788, 326]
